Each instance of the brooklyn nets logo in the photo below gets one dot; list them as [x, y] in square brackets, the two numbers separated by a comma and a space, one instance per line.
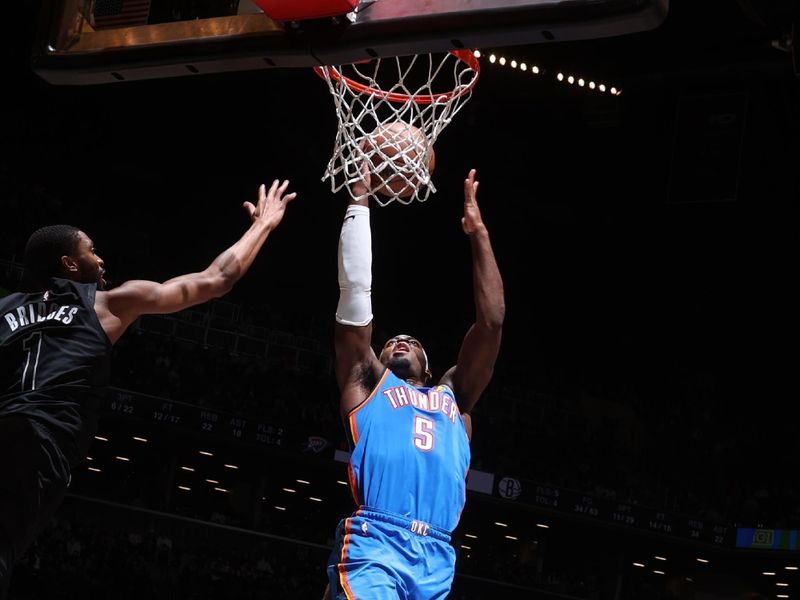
[763, 538]
[509, 488]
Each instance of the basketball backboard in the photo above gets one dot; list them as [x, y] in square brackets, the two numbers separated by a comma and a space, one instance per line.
[86, 42]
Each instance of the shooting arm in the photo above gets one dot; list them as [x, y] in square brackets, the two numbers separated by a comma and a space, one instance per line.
[353, 332]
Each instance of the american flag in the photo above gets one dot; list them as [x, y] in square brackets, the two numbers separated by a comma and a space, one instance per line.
[120, 13]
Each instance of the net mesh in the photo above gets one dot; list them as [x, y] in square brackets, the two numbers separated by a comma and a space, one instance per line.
[391, 112]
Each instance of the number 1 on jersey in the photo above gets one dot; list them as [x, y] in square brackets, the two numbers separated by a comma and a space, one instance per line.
[423, 433]
[33, 346]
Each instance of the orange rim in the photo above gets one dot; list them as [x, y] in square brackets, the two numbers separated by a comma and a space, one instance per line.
[463, 55]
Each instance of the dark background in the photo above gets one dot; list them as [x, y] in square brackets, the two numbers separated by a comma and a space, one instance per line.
[643, 238]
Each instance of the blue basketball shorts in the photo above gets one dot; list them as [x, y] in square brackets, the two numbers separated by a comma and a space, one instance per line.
[380, 555]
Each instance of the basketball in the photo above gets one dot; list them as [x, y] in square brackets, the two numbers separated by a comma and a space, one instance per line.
[394, 149]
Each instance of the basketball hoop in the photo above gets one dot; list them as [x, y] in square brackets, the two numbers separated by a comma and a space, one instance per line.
[424, 92]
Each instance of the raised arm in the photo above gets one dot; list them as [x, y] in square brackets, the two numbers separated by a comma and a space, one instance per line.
[356, 363]
[119, 307]
[478, 353]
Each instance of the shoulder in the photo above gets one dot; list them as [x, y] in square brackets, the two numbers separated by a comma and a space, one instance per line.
[443, 388]
[446, 380]
[369, 374]
[61, 287]
[131, 298]
[11, 299]
[361, 387]
[101, 300]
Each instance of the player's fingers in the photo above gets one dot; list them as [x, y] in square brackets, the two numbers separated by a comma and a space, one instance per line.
[248, 206]
[283, 187]
[470, 177]
[289, 197]
[273, 188]
[469, 193]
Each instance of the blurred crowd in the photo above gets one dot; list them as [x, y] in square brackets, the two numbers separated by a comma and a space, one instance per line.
[107, 559]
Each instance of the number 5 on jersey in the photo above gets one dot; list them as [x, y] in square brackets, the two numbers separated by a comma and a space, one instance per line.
[423, 433]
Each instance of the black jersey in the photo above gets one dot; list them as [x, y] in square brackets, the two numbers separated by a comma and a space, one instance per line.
[54, 361]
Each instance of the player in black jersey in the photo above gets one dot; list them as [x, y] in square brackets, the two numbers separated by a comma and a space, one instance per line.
[55, 339]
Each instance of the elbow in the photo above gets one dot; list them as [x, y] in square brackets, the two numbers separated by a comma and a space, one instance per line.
[225, 288]
[495, 325]
[493, 319]
[223, 285]
[491, 325]
[500, 314]
[225, 278]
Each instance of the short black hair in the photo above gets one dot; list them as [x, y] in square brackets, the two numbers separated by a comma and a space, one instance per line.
[44, 250]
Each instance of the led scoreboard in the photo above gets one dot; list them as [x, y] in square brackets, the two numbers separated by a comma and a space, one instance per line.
[614, 512]
[191, 418]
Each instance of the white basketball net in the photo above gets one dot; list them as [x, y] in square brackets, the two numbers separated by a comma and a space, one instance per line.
[384, 92]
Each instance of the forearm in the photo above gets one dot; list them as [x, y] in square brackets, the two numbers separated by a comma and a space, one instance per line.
[488, 284]
[234, 262]
[355, 267]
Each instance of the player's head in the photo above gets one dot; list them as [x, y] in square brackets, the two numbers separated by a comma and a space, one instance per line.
[62, 251]
[406, 357]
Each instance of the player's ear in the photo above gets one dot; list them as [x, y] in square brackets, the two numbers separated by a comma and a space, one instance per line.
[69, 264]
[428, 375]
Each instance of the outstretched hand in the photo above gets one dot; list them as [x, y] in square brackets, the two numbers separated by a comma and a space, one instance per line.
[271, 204]
[471, 221]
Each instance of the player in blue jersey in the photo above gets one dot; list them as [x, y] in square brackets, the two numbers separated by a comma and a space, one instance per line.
[55, 341]
[409, 439]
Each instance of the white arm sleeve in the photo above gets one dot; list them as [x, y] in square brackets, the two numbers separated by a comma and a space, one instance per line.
[355, 268]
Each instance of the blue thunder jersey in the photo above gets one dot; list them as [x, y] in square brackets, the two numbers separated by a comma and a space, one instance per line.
[410, 452]
[54, 361]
